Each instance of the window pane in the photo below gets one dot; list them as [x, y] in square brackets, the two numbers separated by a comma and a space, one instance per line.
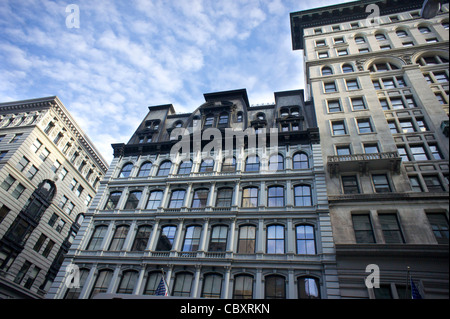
[363, 229]
[391, 228]
[308, 288]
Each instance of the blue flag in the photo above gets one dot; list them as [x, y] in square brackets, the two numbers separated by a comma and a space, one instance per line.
[415, 294]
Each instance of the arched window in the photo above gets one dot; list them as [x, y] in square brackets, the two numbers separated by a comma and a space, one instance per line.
[142, 237]
[102, 282]
[243, 287]
[432, 59]
[200, 198]
[74, 293]
[182, 285]
[128, 282]
[224, 197]
[326, 70]
[308, 288]
[126, 170]
[275, 287]
[133, 200]
[347, 68]
[275, 239]
[276, 163]
[383, 67]
[295, 111]
[177, 198]
[305, 240]
[185, 168]
[154, 200]
[192, 238]
[247, 239]
[302, 195]
[401, 33]
[229, 165]
[119, 238]
[300, 161]
[275, 196]
[153, 280]
[218, 241]
[40, 200]
[250, 197]
[113, 200]
[207, 165]
[252, 164]
[424, 29]
[360, 40]
[97, 238]
[145, 169]
[166, 238]
[178, 124]
[212, 286]
[164, 168]
[380, 36]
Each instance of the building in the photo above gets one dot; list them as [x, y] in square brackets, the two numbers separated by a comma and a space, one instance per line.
[232, 223]
[49, 174]
[380, 90]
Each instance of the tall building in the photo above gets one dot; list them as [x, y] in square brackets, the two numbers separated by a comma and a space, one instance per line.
[380, 90]
[246, 221]
[49, 174]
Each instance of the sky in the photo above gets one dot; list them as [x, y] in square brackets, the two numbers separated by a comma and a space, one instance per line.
[127, 55]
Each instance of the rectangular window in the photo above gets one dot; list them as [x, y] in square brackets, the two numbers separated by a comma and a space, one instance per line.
[342, 52]
[371, 148]
[48, 248]
[389, 83]
[69, 208]
[440, 98]
[334, 106]
[338, 128]
[62, 173]
[393, 127]
[22, 272]
[350, 185]
[384, 105]
[363, 229]
[397, 104]
[441, 77]
[343, 150]
[339, 40]
[22, 164]
[32, 172]
[422, 125]
[352, 84]
[358, 104]
[403, 153]
[55, 166]
[320, 43]
[73, 184]
[3, 213]
[44, 154]
[330, 87]
[381, 183]
[364, 126]
[433, 183]
[323, 55]
[18, 191]
[415, 184]
[37, 247]
[63, 201]
[391, 229]
[439, 225]
[7, 183]
[16, 138]
[418, 153]
[376, 85]
[407, 126]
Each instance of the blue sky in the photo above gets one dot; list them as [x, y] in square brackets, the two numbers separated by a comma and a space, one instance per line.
[128, 55]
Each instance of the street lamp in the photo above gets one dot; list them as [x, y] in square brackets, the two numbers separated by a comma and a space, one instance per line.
[430, 9]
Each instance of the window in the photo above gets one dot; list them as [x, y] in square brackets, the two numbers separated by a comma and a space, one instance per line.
[3, 154]
[44, 154]
[418, 153]
[118, 238]
[185, 168]
[401, 33]
[133, 200]
[381, 183]
[380, 37]
[371, 148]
[415, 184]
[97, 238]
[18, 191]
[88, 200]
[126, 170]
[364, 50]
[363, 229]
[218, 241]
[300, 161]
[317, 31]
[275, 287]
[154, 200]
[302, 195]
[7, 183]
[403, 153]
[424, 30]
[101, 283]
[223, 119]
[441, 77]
[224, 197]
[305, 240]
[22, 164]
[308, 288]
[4, 210]
[334, 106]
[410, 102]
[275, 196]
[339, 40]
[79, 191]
[164, 168]
[229, 165]
[128, 282]
[74, 293]
[350, 185]
[200, 198]
[247, 240]
[141, 239]
[352, 85]
[330, 87]
[383, 67]
[36, 146]
[439, 225]
[182, 286]
[391, 229]
[243, 287]
[16, 138]
[433, 183]
[338, 128]
[435, 153]
[239, 117]
[388, 83]
[364, 126]
[385, 47]
[320, 43]
[347, 68]
[326, 70]
[145, 169]
[440, 98]
[342, 52]
[207, 166]
[358, 104]
[209, 121]
[323, 55]
[166, 238]
[384, 105]
[62, 174]
[37, 247]
[153, 280]
[276, 163]
[275, 239]
[408, 44]
[48, 248]
[22, 272]
[113, 200]
[250, 197]
[343, 150]
[212, 286]
[252, 164]
[192, 238]
[177, 199]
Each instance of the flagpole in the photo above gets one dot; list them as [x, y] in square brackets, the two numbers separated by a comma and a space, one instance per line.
[165, 282]
[407, 282]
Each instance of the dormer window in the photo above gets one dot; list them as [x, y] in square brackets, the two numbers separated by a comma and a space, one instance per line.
[223, 119]
[209, 120]
[295, 112]
[284, 112]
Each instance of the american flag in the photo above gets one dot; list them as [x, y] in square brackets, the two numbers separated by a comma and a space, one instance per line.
[415, 294]
[162, 289]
